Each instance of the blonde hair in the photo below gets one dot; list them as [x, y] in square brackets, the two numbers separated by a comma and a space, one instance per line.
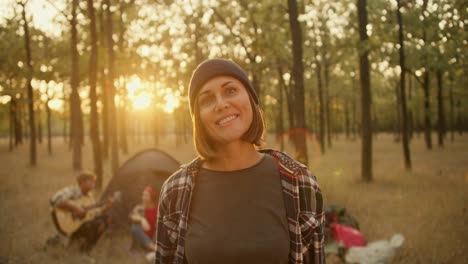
[205, 146]
[85, 175]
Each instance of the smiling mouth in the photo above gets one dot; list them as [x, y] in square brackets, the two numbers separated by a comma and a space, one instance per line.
[226, 120]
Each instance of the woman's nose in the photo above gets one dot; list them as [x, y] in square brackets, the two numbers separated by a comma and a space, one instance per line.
[221, 104]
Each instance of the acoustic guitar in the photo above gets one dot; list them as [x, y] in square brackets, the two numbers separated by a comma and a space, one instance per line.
[67, 222]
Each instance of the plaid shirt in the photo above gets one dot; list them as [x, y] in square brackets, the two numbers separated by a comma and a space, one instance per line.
[303, 203]
[72, 192]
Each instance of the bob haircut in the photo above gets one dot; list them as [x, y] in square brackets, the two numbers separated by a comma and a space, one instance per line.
[205, 146]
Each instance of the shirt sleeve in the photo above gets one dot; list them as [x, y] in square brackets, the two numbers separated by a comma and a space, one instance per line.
[315, 253]
[168, 220]
[165, 248]
[70, 192]
[137, 210]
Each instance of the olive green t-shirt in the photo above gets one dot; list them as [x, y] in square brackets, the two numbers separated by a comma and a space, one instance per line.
[238, 217]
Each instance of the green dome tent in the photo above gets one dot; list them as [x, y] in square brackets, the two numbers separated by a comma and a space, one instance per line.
[148, 167]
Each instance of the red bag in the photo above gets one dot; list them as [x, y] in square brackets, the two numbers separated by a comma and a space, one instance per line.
[347, 235]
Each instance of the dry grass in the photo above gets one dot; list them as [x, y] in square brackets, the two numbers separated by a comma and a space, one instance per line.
[428, 205]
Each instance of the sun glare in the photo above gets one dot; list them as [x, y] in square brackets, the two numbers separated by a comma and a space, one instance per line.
[56, 104]
[141, 101]
[172, 102]
[144, 94]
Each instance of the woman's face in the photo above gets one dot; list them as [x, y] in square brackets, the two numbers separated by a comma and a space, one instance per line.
[225, 109]
[146, 197]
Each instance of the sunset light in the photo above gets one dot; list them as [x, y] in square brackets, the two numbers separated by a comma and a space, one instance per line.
[172, 102]
[144, 94]
[141, 101]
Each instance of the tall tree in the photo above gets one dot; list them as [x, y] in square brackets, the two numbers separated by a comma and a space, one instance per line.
[49, 126]
[298, 77]
[111, 90]
[322, 105]
[451, 115]
[75, 100]
[94, 118]
[366, 99]
[398, 113]
[440, 109]
[404, 114]
[426, 83]
[123, 94]
[27, 46]
[104, 87]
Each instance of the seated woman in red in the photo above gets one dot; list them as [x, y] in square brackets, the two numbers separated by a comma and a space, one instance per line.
[144, 217]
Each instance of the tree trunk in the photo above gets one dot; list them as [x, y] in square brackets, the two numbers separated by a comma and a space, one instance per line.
[25, 120]
[123, 110]
[404, 119]
[452, 116]
[327, 99]
[440, 109]
[410, 110]
[427, 112]
[328, 121]
[94, 118]
[12, 123]
[366, 152]
[17, 122]
[347, 128]
[289, 98]
[76, 118]
[280, 119]
[427, 108]
[123, 121]
[354, 115]
[104, 87]
[39, 125]
[32, 149]
[280, 113]
[110, 83]
[398, 114]
[49, 128]
[65, 120]
[322, 106]
[298, 76]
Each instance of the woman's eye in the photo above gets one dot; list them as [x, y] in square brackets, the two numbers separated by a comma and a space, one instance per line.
[206, 100]
[231, 90]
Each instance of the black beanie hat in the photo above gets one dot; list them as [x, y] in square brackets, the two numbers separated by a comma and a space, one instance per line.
[217, 67]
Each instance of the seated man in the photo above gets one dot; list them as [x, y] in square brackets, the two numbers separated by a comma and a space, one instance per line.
[75, 215]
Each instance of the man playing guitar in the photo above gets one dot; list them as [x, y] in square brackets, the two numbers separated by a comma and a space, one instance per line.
[75, 202]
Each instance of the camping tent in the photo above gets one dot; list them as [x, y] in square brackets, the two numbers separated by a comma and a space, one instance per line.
[148, 167]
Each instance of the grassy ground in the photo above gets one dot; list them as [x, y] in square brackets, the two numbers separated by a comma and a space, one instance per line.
[427, 205]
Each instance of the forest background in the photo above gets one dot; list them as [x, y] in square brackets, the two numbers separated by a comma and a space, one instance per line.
[370, 94]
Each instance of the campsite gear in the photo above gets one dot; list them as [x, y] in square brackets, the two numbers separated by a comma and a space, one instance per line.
[347, 236]
[150, 257]
[67, 222]
[377, 252]
[149, 167]
[339, 214]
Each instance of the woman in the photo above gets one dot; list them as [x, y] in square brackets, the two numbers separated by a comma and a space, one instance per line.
[144, 217]
[235, 203]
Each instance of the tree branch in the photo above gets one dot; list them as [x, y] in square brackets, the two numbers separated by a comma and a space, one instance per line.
[58, 10]
[242, 42]
[414, 75]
